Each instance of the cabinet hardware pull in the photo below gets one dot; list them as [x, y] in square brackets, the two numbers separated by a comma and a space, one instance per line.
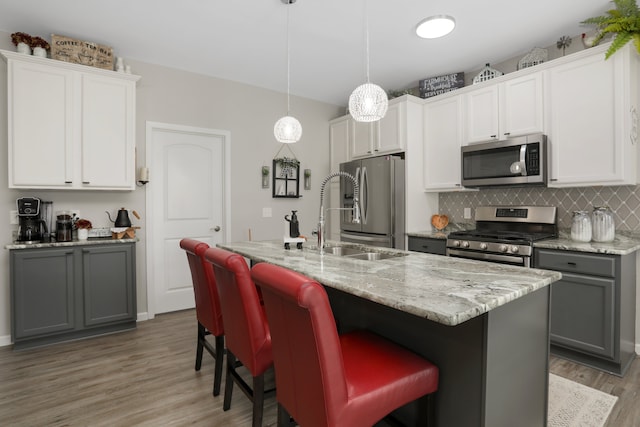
[86, 182]
[425, 246]
[494, 136]
[507, 133]
[68, 182]
[573, 264]
[553, 179]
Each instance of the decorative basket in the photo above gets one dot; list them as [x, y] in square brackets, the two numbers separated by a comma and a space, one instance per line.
[536, 56]
[487, 73]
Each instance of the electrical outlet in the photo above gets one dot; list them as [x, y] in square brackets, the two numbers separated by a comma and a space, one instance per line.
[266, 213]
[467, 213]
[13, 217]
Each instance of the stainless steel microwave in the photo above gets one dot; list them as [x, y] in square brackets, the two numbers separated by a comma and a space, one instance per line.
[519, 161]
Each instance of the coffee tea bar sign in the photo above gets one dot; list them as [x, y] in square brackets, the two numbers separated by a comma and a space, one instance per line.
[81, 52]
[433, 86]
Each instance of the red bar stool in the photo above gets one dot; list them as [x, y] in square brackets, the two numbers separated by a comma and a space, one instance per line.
[324, 379]
[247, 332]
[208, 310]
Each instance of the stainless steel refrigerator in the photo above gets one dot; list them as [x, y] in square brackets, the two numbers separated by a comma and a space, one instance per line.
[382, 183]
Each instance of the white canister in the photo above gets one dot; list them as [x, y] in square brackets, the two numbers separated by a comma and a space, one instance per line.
[40, 51]
[83, 233]
[581, 226]
[604, 229]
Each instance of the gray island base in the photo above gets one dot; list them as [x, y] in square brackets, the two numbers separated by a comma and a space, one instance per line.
[486, 326]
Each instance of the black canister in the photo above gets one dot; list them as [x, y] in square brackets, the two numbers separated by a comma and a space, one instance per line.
[64, 227]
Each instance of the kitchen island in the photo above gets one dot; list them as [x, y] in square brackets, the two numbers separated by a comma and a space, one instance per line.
[485, 325]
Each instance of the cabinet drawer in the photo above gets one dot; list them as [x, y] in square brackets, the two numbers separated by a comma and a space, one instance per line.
[425, 244]
[599, 265]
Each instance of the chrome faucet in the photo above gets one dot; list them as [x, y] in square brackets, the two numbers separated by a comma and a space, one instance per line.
[355, 208]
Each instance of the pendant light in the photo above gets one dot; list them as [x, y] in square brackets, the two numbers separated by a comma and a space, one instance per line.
[368, 102]
[288, 129]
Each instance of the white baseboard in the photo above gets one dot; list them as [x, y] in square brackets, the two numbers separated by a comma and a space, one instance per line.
[5, 340]
[142, 317]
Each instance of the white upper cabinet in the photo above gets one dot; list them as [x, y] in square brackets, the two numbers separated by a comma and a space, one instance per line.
[592, 111]
[339, 131]
[108, 133]
[499, 111]
[381, 137]
[70, 126]
[442, 141]
[339, 136]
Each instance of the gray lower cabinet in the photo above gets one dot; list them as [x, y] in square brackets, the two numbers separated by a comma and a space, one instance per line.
[428, 245]
[592, 307]
[63, 293]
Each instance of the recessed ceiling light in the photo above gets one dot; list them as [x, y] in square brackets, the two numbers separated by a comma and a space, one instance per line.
[435, 26]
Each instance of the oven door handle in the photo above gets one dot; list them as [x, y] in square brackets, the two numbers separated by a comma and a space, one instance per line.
[511, 259]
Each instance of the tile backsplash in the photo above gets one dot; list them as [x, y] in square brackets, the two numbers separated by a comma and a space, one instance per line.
[624, 201]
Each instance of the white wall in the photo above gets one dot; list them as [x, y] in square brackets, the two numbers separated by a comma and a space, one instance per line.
[174, 96]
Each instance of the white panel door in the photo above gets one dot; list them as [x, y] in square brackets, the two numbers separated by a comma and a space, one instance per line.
[188, 198]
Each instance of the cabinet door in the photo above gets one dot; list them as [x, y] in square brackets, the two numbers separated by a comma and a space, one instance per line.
[107, 133]
[109, 284]
[392, 130]
[521, 106]
[482, 114]
[339, 142]
[586, 110]
[42, 282]
[442, 142]
[339, 153]
[40, 125]
[428, 245]
[362, 138]
[582, 314]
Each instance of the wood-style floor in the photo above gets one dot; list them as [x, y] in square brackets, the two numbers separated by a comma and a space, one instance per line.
[146, 378]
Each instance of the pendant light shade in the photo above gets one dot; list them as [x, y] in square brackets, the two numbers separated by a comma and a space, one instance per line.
[368, 102]
[288, 129]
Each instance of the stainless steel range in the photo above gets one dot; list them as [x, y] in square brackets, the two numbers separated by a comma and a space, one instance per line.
[505, 234]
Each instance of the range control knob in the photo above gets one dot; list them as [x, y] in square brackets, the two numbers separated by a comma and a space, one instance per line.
[503, 248]
[465, 244]
[514, 249]
[456, 243]
[483, 246]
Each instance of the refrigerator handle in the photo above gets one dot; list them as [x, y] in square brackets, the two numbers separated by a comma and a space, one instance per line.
[364, 195]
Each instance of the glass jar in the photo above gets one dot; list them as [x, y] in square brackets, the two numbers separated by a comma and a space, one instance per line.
[603, 224]
[581, 226]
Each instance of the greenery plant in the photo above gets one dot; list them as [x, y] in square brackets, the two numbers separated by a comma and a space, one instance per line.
[624, 22]
[286, 162]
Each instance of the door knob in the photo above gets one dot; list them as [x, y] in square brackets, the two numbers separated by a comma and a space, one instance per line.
[216, 228]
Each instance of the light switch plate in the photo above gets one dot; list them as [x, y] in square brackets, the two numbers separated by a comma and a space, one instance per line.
[13, 217]
[266, 213]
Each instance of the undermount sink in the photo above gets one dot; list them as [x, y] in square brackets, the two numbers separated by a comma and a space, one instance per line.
[360, 253]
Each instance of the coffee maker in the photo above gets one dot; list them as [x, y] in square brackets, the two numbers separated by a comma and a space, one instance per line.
[31, 227]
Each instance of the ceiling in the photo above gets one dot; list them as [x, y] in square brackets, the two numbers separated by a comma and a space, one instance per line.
[245, 40]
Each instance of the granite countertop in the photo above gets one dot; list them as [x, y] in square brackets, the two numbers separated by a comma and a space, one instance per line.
[97, 241]
[445, 290]
[625, 242]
